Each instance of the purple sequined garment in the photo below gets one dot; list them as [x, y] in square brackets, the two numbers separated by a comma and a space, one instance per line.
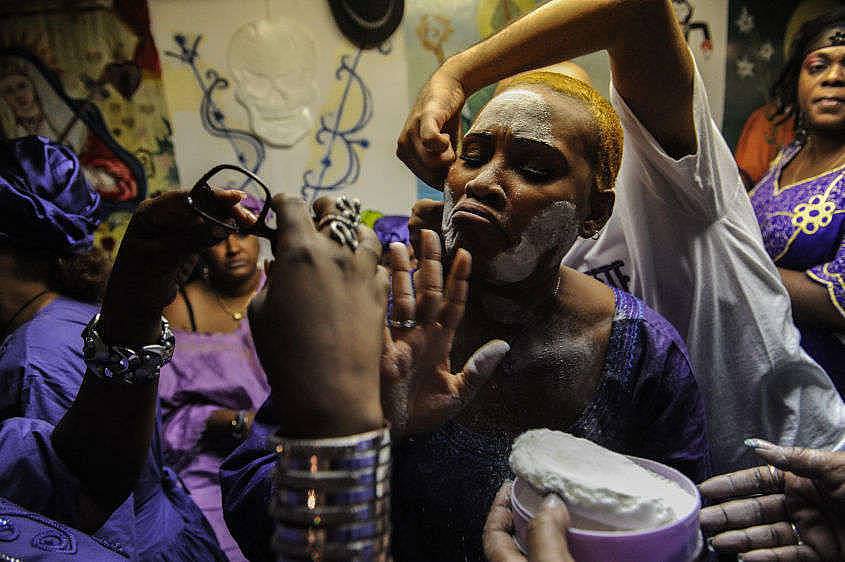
[647, 404]
[803, 227]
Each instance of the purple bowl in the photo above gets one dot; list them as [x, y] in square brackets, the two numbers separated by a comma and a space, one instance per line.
[679, 541]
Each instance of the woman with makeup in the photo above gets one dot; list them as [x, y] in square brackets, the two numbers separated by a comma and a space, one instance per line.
[683, 236]
[560, 349]
[211, 388]
[800, 202]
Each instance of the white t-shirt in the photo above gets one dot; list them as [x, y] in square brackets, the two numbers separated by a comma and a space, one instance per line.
[683, 237]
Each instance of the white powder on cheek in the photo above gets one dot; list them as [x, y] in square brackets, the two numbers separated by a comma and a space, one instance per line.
[525, 112]
[554, 227]
[596, 483]
[450, 235]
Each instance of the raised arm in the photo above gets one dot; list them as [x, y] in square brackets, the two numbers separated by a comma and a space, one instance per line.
[652, 70]
[104, 438]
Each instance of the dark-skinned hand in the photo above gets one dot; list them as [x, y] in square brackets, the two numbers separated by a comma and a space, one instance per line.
[318, 328]
[755, 508]
[546, 533]
[419, 390]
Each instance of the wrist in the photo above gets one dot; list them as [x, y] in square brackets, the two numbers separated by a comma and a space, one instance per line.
[340, 420]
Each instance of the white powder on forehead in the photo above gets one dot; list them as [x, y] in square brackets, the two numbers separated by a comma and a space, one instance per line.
[525, 112]
[554, 227]
[596, 483]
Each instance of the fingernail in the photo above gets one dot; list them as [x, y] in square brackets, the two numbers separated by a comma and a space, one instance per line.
[759, 444]
[552, 501]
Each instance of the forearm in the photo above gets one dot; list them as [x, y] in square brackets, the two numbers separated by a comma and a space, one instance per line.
[559, 30]
[105, 435]
[652, 67]
[811, 302]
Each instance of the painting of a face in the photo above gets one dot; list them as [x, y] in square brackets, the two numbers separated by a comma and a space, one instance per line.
[18, 93]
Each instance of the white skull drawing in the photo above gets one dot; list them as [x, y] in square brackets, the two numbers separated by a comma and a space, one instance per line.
[273, 62]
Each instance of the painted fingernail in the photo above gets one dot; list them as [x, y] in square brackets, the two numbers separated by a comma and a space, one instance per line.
[759, 444]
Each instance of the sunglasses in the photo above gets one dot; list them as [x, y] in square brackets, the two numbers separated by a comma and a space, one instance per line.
[201, 199]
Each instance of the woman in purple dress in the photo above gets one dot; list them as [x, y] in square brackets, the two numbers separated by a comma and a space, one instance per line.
[211, 388]
[800, 202]
[79, 431]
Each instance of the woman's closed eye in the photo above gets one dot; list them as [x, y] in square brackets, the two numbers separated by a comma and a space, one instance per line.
[535, 173]
[473, 157]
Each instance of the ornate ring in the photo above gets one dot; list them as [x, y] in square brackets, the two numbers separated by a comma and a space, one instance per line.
[344, 226]
[795, 534]
[404, 324]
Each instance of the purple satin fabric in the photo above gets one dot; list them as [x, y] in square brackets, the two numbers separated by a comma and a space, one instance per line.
[41, 369]
[208, 372]
[45, 200]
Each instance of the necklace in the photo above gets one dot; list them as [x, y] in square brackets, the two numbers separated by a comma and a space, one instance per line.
[237, 315]
[21, 309]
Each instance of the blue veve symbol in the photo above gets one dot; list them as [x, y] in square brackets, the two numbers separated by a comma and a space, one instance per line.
[331, 132]
[249, 149]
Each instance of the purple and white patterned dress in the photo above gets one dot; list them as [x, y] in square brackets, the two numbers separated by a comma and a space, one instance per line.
[803, 227]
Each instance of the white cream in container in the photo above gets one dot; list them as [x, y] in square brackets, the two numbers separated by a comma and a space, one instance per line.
[603, 490]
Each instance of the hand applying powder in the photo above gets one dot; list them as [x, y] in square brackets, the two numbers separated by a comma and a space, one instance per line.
[546, 537]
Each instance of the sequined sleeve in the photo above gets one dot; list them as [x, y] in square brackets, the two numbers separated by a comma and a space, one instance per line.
[832, 276]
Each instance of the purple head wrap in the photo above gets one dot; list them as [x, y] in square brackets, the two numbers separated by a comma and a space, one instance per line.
[45, 201]
[392, 228]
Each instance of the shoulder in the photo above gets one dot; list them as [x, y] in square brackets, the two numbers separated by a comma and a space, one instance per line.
[178, 312]
[662, 351]
[57, 327]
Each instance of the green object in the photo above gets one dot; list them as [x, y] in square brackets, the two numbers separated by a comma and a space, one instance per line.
[370, 216]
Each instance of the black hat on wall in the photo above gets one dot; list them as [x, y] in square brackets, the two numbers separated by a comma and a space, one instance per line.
[367, 23]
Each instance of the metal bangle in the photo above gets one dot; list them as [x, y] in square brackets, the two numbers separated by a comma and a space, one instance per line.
[358, 461]
[332, 447]
[330, 480]
[318, 498]
[365, 550]
[357, 531]
[329, 515]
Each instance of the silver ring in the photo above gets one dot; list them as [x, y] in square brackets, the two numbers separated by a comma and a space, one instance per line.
[344, 227]
[404, 324]
[796, 535]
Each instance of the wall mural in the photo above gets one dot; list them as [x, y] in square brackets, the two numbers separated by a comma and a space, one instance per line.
[340, 132]
[89, 77]
[248, 149]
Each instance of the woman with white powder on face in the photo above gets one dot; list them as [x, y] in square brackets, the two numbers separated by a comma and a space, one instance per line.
[535, 172]
[683, 236]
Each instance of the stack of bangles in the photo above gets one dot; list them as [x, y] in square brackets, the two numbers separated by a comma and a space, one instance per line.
[331, 498]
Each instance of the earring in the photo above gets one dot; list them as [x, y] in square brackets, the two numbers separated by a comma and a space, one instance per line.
[801, 126]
